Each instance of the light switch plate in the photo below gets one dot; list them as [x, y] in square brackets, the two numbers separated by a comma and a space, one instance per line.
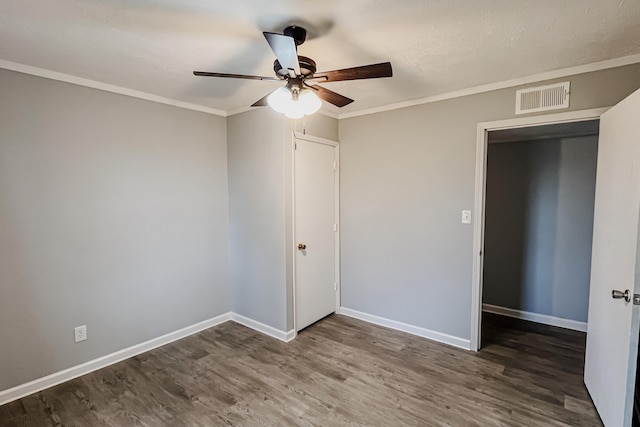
[466, 217]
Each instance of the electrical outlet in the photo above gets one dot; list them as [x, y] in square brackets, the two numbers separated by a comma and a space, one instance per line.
[81, 333]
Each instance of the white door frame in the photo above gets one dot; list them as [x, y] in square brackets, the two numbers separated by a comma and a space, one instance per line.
[302, 136]
[480, 190]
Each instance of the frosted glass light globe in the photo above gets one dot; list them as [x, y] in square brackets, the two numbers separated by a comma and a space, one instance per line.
[309, 102]
[294, 111]
[280, 100]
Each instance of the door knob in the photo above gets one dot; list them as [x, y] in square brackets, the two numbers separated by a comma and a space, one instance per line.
[620, 295]
[302, 246]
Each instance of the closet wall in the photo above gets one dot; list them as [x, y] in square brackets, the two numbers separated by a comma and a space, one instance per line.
[539, 223]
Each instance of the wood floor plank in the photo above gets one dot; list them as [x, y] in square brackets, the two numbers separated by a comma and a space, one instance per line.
[339, 371]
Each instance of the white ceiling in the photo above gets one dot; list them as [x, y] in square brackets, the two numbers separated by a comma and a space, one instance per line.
[434, 46]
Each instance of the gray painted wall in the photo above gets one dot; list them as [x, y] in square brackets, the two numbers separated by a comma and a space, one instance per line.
[405, 176]
[259, 162]
[257, 216]
[539, 225]
[113, 214]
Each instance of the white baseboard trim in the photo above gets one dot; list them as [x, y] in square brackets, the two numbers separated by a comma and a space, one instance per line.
[535, 317]
[40, 384]
[405, 327]
[265, 329]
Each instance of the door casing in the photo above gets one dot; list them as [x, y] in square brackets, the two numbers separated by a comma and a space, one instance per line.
[480, 193]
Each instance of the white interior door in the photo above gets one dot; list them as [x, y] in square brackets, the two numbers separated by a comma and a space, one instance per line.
[612, 335]
[315, 228]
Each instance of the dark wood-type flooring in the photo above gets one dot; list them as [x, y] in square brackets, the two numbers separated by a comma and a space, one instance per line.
[339, 371]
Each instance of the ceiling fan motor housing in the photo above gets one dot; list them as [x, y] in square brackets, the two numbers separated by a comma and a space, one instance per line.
[307, 68]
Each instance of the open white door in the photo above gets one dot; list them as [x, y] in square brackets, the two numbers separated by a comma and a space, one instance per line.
[315, 229]
[612, 336]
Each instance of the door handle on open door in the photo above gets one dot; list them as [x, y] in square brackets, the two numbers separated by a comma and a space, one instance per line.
[619, 295]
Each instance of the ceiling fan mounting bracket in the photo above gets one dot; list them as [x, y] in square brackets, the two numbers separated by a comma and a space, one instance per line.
[298, 34]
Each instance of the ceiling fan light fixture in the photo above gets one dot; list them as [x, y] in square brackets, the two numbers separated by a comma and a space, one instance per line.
[294, 104]
[295, 69]
[294, 111]
[309, 102]
[280, 100]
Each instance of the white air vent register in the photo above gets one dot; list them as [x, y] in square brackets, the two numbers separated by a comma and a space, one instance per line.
[542, 98]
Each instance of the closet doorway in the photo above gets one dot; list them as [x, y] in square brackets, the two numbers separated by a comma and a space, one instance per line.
[538, 232]
[538, 227]
[575, 124]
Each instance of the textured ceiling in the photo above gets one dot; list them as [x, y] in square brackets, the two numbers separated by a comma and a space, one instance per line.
[435, 46]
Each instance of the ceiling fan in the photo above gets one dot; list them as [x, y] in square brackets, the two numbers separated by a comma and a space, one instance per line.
[299, 97]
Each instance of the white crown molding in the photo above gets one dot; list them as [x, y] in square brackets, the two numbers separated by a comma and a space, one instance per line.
[328, 113]
[536, 317]
[405, 327]
[79, 81]
[56, 378]
[239, 110]
[556, 74]
[67, 78]
[564, 72]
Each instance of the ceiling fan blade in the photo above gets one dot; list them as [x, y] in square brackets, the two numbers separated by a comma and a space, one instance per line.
[285, 49]
[233, 76]
[372, 71]
[262, 102]
[330, 96]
